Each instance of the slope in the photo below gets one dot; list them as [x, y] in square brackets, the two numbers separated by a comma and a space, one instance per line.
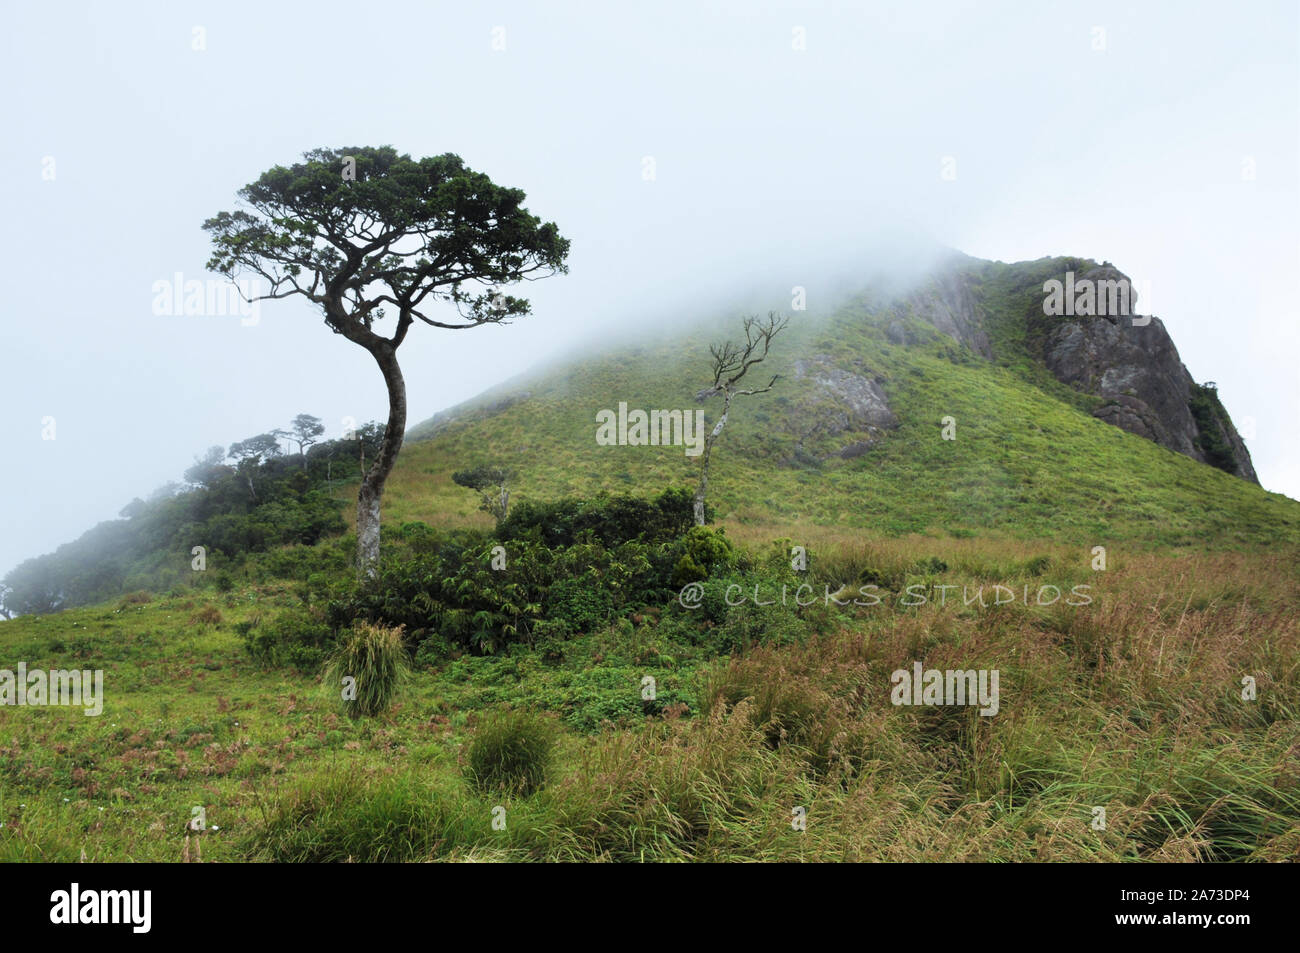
[1028, 458]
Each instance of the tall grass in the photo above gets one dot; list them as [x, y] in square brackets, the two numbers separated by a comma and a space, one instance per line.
[367, 669]
[1132, 704]
[511, 753]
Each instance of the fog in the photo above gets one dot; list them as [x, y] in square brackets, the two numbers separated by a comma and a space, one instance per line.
[698, 156]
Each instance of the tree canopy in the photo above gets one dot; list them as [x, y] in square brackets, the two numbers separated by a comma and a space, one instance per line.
[362, 231]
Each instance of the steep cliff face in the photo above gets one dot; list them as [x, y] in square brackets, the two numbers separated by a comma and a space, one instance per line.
[1131, 361]
[1099, 345]
[948, 303]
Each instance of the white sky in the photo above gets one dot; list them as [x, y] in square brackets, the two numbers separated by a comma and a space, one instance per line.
[771, 162]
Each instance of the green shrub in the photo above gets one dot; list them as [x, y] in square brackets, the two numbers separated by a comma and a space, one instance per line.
[374, 659]
[930, 566]
[610, 520]
[433, 649]
[704, 550]
[580, 604]
[1038, 565]
[511, 754]
[300, 638]
[455, 591]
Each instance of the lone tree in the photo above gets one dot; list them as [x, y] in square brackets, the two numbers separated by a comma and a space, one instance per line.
[493, 485]
[358, 231]
[305, 431]
[731, 361]
[252, 453]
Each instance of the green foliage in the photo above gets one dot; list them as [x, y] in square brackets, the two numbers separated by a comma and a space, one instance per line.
[153, 546]
[1212, 424]
[299, 639]
[480, 229]
[491, 484]
[619, 554]
[303, 562]
[933, 566]
[580, 604]
[607, 519]
[511, 754]
[433, 650]
[704, 551]
[349, 817]
[374, 659]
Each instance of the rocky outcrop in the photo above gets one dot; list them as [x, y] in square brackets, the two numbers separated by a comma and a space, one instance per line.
[1136, 368]
[1095, 346]
[948, 304]
[841, 402]
[860, 404]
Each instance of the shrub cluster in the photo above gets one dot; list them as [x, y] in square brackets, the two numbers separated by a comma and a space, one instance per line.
[550, 570]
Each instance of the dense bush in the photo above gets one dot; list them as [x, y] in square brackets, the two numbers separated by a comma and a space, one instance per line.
[704, 551]
[451, 592]
[511, 753]
[580, 604]
[610, 520]
[570, 567]
[1211, 427]
[299, 639]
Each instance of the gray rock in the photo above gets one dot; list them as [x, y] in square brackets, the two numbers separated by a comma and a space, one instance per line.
[856, 449]
[846, 401]
[948, 304]
[1138, 370]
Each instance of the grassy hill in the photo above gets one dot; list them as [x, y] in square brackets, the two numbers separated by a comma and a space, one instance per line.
[1028, 461]
[1134, 701]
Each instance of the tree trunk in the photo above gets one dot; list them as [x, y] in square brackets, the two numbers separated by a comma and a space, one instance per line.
[704, 461]
[372, 483]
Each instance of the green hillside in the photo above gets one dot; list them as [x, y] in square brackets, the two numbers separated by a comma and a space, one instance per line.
[1028, 461]
[570, 703]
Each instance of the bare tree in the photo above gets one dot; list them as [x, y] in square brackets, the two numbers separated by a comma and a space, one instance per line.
[731, 361]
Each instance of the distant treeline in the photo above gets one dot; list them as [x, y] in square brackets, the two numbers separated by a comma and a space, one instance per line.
[249, 498]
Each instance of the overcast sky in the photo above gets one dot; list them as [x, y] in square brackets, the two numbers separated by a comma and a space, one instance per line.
[1161, 136]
